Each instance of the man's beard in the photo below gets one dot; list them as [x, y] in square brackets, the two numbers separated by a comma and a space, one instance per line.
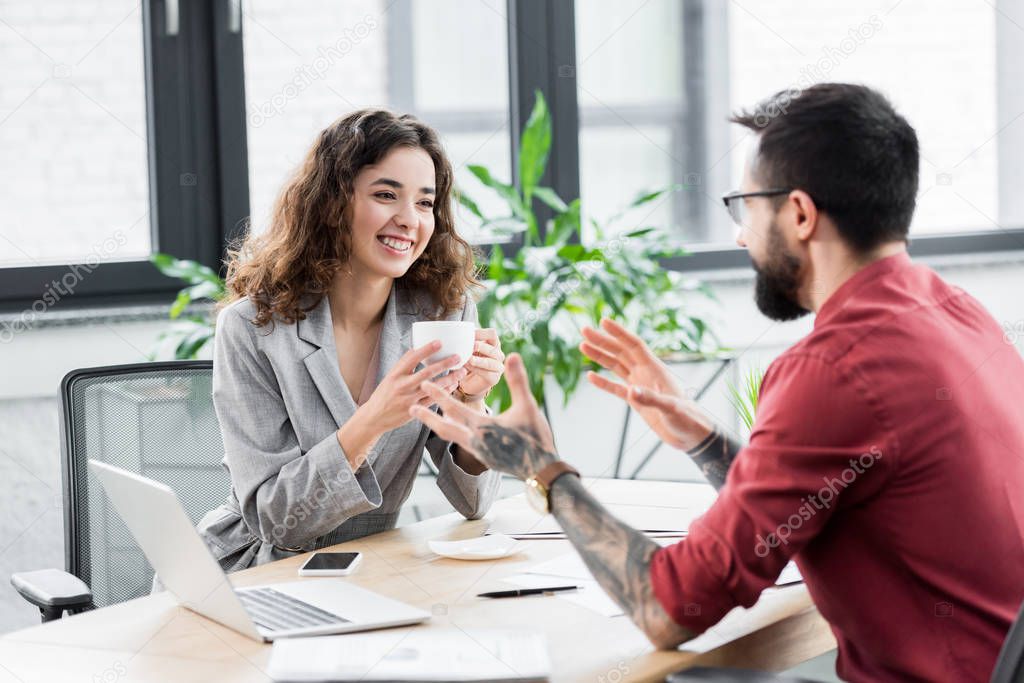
[778, 280]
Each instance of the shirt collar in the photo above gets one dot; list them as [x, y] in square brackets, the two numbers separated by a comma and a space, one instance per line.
[869, 273]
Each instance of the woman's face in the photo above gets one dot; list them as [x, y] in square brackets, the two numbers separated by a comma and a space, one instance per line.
[392, 212]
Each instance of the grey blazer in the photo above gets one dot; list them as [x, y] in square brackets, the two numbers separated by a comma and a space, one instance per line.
[280, 399]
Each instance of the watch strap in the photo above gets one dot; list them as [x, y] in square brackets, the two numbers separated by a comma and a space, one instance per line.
[549, 473]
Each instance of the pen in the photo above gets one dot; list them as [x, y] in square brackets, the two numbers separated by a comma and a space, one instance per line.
[527, 591]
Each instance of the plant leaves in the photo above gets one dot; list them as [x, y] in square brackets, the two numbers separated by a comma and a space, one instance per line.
[642, 198]
[744, 399]
[646, 197]
[610, 297]
[506, 225]
[182, 269]
[565, 225]
[506, 191]
[180, 302]
[550, 197]
[496, 267]
[534, 146]
[466, 201]
[192, 343]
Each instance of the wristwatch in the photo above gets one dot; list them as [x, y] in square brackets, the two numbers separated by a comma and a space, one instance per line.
[538, 487]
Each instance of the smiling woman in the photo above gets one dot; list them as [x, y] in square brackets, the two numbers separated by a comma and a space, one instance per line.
[313, 374]
[355, 170]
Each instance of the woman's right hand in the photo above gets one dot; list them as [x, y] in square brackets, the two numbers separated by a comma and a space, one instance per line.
[389, 404]
[650, 387]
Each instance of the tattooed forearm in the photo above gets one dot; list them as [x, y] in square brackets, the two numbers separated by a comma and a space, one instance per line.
[619, 558]
[714, 455]
[516, 451]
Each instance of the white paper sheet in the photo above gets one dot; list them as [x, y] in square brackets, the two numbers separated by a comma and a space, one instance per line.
[790, 574]
[775, 604]
[654, 520]
[418, 654]
[571, 565]
[590, 594]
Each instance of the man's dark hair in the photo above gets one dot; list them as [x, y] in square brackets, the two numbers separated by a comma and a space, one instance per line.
[848, 149]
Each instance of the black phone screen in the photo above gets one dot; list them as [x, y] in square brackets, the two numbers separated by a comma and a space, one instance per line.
[331, 561]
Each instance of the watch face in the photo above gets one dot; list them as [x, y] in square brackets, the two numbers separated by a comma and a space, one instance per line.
[536, 496]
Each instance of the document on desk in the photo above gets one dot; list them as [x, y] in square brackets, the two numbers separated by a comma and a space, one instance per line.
[591, 595]
[656, 522]
[775, 604]
[437, 655]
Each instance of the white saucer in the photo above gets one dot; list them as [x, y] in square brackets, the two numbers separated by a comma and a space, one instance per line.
[482, 548]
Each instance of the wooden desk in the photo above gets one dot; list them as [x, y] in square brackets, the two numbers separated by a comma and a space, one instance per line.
[153, 639]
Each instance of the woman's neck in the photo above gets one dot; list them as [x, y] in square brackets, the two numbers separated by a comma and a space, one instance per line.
[358, 301]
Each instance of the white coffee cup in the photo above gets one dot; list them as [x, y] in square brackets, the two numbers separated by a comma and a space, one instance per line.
[457, 338]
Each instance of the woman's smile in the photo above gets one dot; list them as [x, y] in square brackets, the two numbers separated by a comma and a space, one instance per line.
[393, 244]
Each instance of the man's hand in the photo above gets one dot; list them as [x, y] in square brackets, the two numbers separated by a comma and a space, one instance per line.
[652, 391]
[518, 441]
[650, 387]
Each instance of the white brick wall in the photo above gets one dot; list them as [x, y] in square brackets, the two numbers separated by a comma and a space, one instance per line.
[72, 130]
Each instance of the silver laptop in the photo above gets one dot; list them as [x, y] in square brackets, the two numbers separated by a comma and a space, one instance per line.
[308, 607]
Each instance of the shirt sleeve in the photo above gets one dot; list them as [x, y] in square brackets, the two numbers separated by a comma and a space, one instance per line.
[819, 446]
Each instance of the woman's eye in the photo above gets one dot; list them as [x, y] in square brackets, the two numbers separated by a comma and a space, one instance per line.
[385, 195]
[427, 204]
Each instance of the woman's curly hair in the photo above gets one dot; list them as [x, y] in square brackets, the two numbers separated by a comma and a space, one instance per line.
[287, 270]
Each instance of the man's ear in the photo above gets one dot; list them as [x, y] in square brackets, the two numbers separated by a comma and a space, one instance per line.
[805, 214]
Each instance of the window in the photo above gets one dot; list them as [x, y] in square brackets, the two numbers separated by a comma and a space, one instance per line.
[658, 115]
[168, 125]
[937, 62]
[308, 64]
[116, 130]
[631, 107]
[73, 187]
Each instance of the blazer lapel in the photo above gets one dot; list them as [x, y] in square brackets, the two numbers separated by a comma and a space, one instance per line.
[396, 333]
[322, 363]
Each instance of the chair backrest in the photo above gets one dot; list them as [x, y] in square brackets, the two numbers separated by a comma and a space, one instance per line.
[156, 419]
[1010, 664]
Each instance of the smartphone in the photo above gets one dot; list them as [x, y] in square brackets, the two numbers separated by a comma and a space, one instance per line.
[331, 564]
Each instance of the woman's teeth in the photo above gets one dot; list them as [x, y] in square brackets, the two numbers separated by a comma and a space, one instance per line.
[397, 245]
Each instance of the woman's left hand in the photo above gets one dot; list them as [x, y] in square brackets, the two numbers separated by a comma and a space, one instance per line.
[484, 368]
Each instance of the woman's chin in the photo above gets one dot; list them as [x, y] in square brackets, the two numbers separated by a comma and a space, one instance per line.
[390, 265]
[390, 270]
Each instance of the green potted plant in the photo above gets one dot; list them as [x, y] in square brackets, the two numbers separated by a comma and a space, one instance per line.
[539, 296]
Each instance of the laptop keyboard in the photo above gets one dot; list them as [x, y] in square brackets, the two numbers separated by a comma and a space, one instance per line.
[275, 611]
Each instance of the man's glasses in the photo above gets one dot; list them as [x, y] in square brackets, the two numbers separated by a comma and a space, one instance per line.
[737, 208]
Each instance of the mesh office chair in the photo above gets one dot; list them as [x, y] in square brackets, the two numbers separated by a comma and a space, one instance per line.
[156, 419]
